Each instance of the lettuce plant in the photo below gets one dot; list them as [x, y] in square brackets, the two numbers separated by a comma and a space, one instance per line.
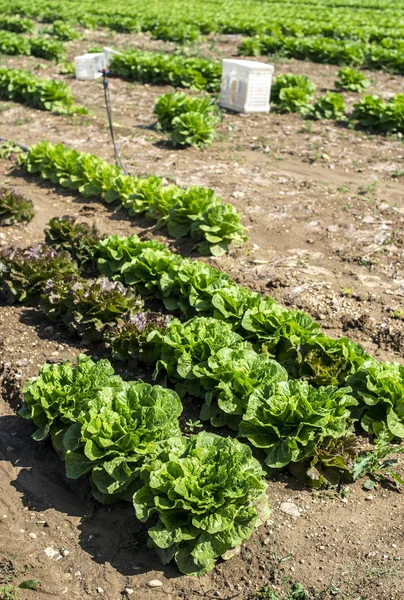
[62, 31]
[44, 47]
[291, 418]
[117, 433]
[209, 496]
[288, 80]
[88, 306]
[386, 117]
[193, 129]
[54, 398]
[44, 94]
[329, 106]
[352, 80]
[191, 120]
[128, 338]
[100, 424]
[169, 106]
[379, 388]
[15, 207]
[24, 272]
[79, 239]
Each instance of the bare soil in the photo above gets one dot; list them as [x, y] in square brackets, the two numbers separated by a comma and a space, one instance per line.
[324, 207]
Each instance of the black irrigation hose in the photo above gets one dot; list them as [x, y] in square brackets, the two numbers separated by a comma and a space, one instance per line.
[109, 114]
[111, 129]
[22, 146]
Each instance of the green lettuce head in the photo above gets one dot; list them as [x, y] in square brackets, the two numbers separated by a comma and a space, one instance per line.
[209, 495]
[290, 419]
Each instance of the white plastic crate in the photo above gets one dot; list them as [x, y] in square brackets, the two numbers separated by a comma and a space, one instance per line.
[246, 85]
[109, 53]
[88, 66]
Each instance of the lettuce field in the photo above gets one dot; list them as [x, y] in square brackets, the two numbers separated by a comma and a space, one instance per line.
[202, 332]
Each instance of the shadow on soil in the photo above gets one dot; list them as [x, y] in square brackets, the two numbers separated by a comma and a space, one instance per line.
[107, 533]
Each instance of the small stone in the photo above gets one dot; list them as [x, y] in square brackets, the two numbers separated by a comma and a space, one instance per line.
[239, 195]
[394, 545]
[51, 552]
[321, 547]
[369, 497]
[129, 591]
[153, 583]
[64, 552]
[99, 590]
[290, 508]
[32, 536]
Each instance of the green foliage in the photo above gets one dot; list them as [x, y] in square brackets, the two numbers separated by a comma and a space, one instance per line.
[326, 50]
[292, 93]
[352, 80]
[25, 271]
[88, 306]
[17, 24]
[379, 462]
[100, 424]
[191, 120]
[15, 207]
[176, 70]
[207, 491]
[193, 129]
[193, 287]
[290, 419]
[62, 31]
[329, 106]
[12, 43]
[384, 117]
[209, 496]
[380, 389]
[79, 239]
[169, 106]
[44, 47]
[180, 33]
[44, 94]
[194, 212]
[8, 592]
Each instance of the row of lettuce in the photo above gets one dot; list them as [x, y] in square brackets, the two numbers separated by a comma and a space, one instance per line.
[184, 22]
[194, 212]
[58, 29]
[288, 390]
[44, 94]
[388, 55]
[267, 372]
[39, 46]
[207, 491]
[295, 93]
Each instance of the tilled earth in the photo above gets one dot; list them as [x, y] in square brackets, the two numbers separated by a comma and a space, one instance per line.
[324, 208]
